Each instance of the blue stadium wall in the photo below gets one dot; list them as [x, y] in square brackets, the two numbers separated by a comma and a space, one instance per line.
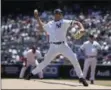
[56, 71]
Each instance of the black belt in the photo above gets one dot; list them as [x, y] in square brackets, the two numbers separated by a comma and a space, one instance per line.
[57, 42]
[91, 56]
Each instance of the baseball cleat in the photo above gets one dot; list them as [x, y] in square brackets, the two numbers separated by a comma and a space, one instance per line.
[80, 81]
[28, 77]
[83, 81]
[92, 82]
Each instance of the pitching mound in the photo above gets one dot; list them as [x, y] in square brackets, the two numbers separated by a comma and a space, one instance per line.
[45, 84]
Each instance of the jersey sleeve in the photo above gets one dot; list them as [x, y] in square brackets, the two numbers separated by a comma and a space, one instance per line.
[46, 26]
[38, 54]
[25, 54]
[82, 46]
[68, 23]
[98, 46]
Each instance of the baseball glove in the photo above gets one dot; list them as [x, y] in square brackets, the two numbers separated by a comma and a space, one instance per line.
[75, 32]
[78, 35]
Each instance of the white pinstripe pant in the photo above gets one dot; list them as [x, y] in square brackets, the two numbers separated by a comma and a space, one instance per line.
[90, 62]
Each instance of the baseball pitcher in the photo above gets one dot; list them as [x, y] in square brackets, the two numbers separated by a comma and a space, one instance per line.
[57, 30]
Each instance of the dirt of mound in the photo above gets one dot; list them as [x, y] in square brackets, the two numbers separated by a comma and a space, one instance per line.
[45, 84]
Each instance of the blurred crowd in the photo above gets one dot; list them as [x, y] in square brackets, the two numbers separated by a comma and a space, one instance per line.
[20, 32]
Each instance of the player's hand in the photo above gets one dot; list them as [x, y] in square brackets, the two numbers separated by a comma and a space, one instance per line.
[36, 13]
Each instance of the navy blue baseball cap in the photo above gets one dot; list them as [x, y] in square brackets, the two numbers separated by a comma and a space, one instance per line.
[91, 36]
[58, 11]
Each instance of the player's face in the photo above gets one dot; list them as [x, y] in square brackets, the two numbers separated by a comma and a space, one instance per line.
[91, 39]
[58, 16]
